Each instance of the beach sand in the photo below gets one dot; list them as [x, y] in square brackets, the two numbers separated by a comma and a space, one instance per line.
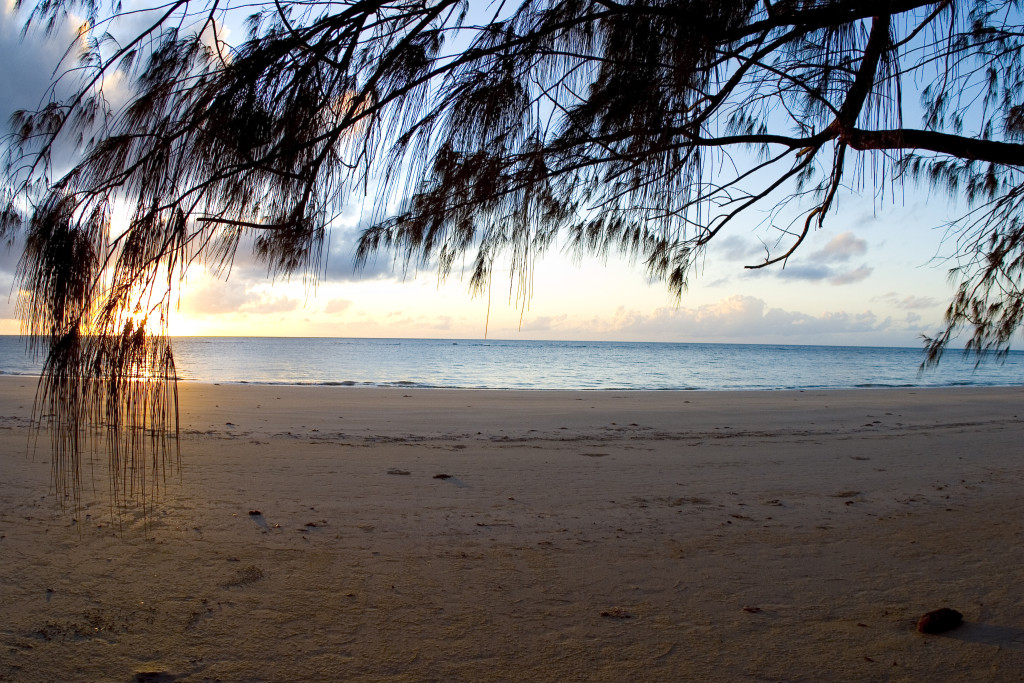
[591, 536]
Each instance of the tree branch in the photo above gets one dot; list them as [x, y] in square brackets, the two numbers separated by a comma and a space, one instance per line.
[972, 149]
[826, 15]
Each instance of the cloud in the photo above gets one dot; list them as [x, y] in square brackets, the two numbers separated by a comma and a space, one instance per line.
[29, 62]
[821, 273]
[852, 276]
[736, 248]
[340, 265]
[545, 323]
[818, 266]
[443, 322]
[840, 249]
[10, 254]
[261, 304]
[813, 273]
[909, 302]
[744, 319]
[30, 66]
[214, 297]
[337, 306]
[8, 297]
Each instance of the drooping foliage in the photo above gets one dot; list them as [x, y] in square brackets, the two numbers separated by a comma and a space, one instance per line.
[486, 131]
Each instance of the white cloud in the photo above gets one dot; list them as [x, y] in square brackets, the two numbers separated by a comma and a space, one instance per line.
[442, 322]
[337, 306]
[262, 304]
[909, 302]
[739, 318]
[213, 297]
[840, 248]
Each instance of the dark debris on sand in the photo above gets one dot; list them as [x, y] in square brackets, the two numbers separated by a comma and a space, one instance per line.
[939, 620]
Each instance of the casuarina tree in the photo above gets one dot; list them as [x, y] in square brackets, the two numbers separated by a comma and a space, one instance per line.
[483, 131]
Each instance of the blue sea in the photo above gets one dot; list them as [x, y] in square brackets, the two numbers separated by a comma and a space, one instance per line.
[519, 364]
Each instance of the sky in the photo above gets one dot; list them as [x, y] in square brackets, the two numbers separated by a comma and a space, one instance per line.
[874, 275]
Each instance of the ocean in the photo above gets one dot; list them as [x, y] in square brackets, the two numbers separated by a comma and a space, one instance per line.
[519, 364]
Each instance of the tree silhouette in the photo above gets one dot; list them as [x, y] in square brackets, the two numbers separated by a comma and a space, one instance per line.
[642, 127]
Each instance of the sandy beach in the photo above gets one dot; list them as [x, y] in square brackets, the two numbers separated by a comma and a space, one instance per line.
[590, 536]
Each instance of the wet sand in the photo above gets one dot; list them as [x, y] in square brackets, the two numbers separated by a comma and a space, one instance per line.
[592, 536]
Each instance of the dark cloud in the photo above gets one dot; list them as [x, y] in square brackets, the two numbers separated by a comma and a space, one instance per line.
[813, 273]
[8, 297]
[10, 254]
[822, 272]
[544, 323]
[340, 266]
[338, 262]
[736, 248]
[851, 276]
[29, 63]
[28, 68]
[820, 265]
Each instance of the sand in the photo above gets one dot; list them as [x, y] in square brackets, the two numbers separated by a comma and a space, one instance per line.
[592, 536]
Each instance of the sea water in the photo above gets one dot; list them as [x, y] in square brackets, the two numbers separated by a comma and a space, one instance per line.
[521, 364]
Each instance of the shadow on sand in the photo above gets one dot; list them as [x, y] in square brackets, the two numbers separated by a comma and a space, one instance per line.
[988, 634]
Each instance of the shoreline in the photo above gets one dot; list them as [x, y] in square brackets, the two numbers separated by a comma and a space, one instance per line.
[589, 535]
[403, 384]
